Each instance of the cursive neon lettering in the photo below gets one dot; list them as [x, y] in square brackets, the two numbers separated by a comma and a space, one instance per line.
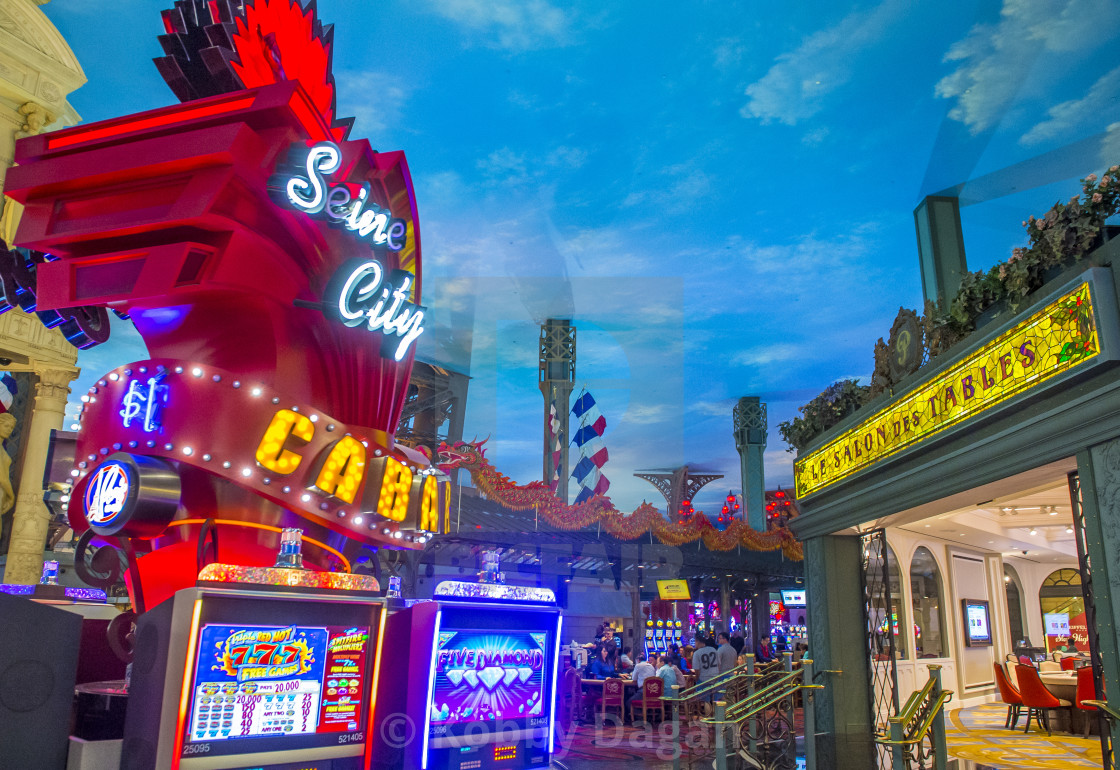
[303, 185]
[350, 299]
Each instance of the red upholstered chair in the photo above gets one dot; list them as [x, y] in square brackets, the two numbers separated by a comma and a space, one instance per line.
[652, 689]
[1069, 663]
[1086, 690]
[614, 697]
[571, 697]
[1026, 661]
[1010, 696]
[1038, 700]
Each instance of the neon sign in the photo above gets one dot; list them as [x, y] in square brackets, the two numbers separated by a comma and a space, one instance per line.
[1058, 337]
[359, 292]
[310, 193]
[144, 402]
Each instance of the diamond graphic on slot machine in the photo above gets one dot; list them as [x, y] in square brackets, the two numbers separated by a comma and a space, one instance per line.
[524, 672]
[490, 676]
[509, 675]
[521, 709]
[471, 676]
[536, 709]
[456, 676]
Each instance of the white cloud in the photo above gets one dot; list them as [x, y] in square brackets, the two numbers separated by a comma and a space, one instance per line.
[1078, 113]
[728, 53]
[795, 86]
[994, 61]
[504, 167]
[373, 98]
[687, 185]
[515, 25]
[1110, 145]
[771, 354]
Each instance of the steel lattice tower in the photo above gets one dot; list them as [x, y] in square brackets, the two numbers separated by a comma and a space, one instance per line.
[750, 440]
[557, 376]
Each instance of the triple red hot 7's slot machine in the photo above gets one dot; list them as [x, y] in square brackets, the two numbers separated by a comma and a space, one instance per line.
[236, 679]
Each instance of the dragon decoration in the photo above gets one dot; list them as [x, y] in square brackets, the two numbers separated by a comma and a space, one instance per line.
[471, 456]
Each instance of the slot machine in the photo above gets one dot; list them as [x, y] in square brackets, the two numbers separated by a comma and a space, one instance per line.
[651, 649]
[239, 675]
[479, 687]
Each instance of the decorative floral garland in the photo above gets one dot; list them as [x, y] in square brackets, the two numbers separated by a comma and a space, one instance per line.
[599, 510]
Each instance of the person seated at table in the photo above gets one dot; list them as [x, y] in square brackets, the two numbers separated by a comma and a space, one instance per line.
[764, 654]
[625, 662]
[667, 672]
[1067, 646]
[677, 659]
[602, 667]
[643, 670]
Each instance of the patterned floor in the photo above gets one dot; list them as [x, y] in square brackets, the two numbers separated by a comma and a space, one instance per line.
[978, 734]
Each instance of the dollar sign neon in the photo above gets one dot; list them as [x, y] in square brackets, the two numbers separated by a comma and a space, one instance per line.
[143, 401]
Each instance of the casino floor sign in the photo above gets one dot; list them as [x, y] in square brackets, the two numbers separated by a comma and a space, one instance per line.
[273, 268]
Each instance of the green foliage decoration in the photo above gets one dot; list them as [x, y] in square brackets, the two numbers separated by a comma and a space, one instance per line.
[1063, 236]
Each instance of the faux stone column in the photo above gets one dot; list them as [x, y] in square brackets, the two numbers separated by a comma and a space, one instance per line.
[838, 642]
[31, 517]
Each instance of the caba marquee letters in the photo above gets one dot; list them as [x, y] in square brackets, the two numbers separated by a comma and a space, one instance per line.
[302, 185]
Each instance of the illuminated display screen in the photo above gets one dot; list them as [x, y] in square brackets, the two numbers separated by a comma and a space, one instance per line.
[1059, 337]
[263, 680]
[793, 598]
[291, 675]
[483, 675]
[493, 670]
[977, 623]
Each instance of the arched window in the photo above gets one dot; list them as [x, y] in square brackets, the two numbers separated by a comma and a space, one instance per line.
[1014, 604]
[882, 626]
[925, 593]
[1060, 596]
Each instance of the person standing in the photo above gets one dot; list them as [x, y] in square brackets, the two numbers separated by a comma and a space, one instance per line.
[726, 653]
[705, 661]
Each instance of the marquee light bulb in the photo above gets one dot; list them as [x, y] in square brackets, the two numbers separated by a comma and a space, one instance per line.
[197, 372]
[255, 391]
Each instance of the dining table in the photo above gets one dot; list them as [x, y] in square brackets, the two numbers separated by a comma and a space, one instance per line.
[1063, 684]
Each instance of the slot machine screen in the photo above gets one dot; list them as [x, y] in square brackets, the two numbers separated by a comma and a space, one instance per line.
[492, 672]
[279, 676]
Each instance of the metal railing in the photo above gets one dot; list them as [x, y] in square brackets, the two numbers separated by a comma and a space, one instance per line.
[757, 708]
[916, 735]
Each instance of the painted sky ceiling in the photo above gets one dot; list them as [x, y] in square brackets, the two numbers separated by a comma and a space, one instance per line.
[719, 195]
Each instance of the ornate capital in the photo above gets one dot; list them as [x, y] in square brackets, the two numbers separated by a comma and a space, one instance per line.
[54, 385]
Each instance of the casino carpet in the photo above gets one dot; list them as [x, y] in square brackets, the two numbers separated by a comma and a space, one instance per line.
[978, 734]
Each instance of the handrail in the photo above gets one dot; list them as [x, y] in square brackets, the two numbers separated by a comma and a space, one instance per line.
[920, 733]
[1108, 710]
[715, 683]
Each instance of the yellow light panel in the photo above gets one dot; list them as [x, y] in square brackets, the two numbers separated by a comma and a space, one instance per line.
[343, 470]
[1056, 339]
[271, 453]
[396, 481]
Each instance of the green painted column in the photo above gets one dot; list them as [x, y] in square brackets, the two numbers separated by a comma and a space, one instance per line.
[838, 641]
[1099, 470]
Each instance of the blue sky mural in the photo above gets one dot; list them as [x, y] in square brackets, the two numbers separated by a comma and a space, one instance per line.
[718, 194]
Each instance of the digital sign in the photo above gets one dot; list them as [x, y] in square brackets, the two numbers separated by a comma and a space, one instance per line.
[672, 590]
[978, 627]
[484, 675]
[1059, 337]
[272, 681]
[793, 598]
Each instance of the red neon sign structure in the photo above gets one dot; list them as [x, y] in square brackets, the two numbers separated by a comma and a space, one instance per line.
[166, 216]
